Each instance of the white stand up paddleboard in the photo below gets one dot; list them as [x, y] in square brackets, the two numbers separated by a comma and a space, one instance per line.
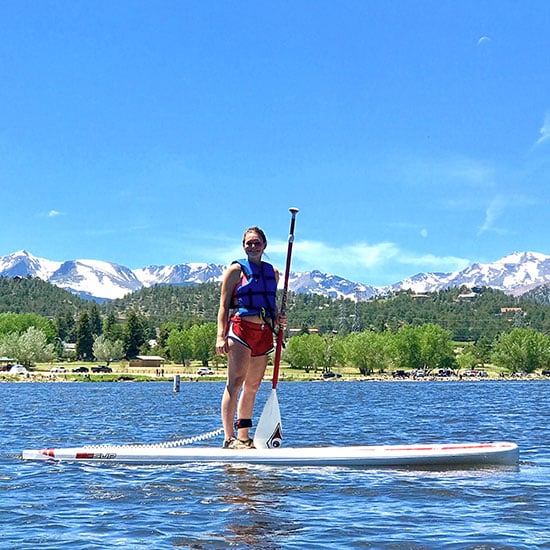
[445, 455]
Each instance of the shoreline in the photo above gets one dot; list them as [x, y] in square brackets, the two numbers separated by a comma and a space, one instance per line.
[121, 371]
[46, 377]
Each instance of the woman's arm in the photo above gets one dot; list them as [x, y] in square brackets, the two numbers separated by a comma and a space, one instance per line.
[230, 280]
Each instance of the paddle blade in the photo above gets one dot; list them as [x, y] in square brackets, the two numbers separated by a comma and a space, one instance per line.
[269, 432]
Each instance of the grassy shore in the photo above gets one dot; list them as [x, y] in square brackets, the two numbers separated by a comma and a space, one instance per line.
[121, 372]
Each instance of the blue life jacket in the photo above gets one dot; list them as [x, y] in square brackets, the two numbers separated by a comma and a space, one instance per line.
[256, 294]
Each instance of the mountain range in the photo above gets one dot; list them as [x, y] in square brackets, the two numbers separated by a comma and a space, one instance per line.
[100, 280]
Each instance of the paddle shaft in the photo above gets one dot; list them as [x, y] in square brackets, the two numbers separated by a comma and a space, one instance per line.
[282, 309]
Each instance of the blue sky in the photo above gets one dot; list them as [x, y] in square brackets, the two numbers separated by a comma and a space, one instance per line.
[413, 136]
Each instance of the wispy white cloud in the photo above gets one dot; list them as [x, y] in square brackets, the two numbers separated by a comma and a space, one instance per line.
[495, 211]
[483, 40]
[370, 263]
[376, 264]
[545, 130]
[492, 213]
[54, 213]
[363, 262]
[335, 259]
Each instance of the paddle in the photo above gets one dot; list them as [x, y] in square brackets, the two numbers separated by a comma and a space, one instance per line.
[269, 431]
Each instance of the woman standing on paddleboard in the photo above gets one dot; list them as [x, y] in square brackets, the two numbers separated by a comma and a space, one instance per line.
[247, 319]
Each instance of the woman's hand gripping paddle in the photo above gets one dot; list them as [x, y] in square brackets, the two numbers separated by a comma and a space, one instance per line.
[269, 432]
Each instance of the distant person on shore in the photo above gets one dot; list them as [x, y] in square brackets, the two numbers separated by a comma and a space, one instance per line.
[247, 322]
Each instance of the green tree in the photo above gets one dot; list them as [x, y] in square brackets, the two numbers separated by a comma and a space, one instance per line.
[112, 329]
[521, 349]
[180, 346]
[369, 350]
[84, 337]
[436, 347]
[467, 360]
[20, 322]
[134, 335]
[407, 347]
[482, 349]
[96, 325]
[472, 356]
[161, 347]
[107, 350]
[66, 327]
[330, 353]
[296, 352]
[305, 351]
[27, 348]
[203, 338]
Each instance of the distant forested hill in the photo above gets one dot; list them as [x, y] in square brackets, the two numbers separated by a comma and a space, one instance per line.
[165, 303]
[468, 315]
[33, 295]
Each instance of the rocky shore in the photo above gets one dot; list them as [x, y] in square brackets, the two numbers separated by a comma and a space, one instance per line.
[287, 375]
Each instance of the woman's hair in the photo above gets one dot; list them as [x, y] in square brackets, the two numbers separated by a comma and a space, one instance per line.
[258, 232]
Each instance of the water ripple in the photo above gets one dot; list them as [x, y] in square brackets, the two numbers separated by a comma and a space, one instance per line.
[81, 507]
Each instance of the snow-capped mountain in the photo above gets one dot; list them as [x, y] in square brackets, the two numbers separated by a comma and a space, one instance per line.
[315, 282]
[95, 279]
[91, 279]
[23, 264]
[514, 274]
[180, 275]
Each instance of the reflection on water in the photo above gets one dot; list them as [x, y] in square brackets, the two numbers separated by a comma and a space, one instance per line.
[51, 506]
[255, 499]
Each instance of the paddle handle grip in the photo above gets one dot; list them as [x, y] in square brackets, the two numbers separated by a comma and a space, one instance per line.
[293, 211]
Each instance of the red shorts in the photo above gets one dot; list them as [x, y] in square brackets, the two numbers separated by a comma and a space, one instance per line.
[257, 337]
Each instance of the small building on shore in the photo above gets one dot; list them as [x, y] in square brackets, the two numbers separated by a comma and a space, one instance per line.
[147, 361]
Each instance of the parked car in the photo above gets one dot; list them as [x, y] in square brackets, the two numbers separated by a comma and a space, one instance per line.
[17, 369]
[58, 370]
[476, 372]
[81, 369]
[205, 371]
[400, 373]
[102, 368]
[445, 372]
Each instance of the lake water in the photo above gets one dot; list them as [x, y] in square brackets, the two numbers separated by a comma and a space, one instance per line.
[76, 506]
